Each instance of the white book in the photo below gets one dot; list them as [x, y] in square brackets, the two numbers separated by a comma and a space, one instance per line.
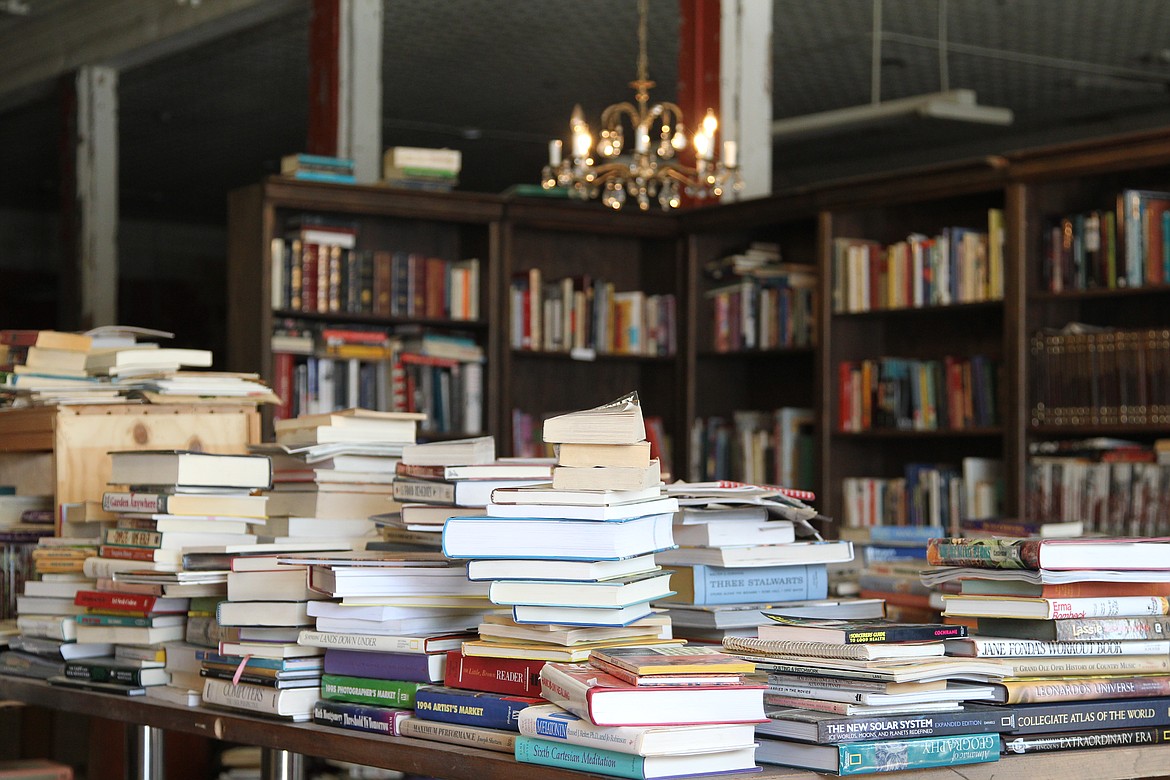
[294, 703]
[655, 506]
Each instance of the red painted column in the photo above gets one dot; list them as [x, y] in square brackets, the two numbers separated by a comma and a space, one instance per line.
[698, 66]
[324, 76]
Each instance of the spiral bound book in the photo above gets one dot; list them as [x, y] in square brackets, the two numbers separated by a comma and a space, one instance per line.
[832, 649]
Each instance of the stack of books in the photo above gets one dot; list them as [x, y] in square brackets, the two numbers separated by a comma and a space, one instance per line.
[892, 556]
[850, 697]
[754, 563]
[46, 635]
[48, 366]
[564, 559]
[258, 665]
[440, 479]
[1082, 625]
[318, 167]
[391, 620]
[417, 168]
[327, 497]
[645, 712]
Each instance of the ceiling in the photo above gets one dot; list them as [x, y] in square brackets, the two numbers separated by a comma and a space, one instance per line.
[498, 78]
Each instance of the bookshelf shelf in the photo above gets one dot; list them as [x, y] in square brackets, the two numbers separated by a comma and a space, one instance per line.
[910, 312]
[600, 357]
[1156, 290]
[944, 433]
[759, 354]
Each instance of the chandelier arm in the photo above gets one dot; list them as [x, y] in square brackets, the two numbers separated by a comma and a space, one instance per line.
[611, 116]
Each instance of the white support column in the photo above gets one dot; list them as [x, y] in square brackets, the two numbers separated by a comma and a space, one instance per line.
[97, 194]
[359, 110]
[745, 90]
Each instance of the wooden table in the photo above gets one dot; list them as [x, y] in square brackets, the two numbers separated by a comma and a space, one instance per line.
[285, 742]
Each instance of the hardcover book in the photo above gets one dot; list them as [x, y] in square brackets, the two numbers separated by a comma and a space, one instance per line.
[1056, 554]
[857, 758]
[512, 676]
[412, 667]
[699, 584]
[190, 469]
[532, 750]
[358, 717]
[672, 660]
[457, 734]
[471, 708]
[607, 701]
[829, 728]
[550, 722]
[367, 690]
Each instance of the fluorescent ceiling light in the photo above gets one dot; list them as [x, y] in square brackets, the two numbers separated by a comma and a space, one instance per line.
[957, 105]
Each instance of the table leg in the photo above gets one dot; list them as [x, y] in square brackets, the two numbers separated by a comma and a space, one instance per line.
[277, 764]
[144, 752]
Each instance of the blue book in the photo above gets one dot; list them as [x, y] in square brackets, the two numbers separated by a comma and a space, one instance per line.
[471, 708]
[914, 535]
[533, 750]
[892, 553]
[336, 178]
[707, 585]
[415, 667]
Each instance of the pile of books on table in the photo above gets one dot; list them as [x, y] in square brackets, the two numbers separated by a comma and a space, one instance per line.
[1082, 624]
[333, 472]
[441, 479]
[853, 697]
[645, 712]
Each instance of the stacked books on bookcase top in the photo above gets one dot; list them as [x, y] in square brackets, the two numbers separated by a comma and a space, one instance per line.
[383, 628]
[645, 712]
[769, 305]
[584, 316]
[111, 365]
[336, 472]
[419, 168]
[437, 480]
[1082, 625]
[318, 167]
[852, 697]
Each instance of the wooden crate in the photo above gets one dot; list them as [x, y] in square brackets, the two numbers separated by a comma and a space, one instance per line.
[63, 450]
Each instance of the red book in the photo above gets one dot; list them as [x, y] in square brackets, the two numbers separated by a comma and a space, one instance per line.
[132, 553]
[308, 276]
[512, 676]
[436, 288]
[604, 700]
[283, 367]
[427, 360]
[130, 602]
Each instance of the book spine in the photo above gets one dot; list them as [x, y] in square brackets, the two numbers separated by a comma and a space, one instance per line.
[905, 633]
[413, 667]
[576, 731]
[484, 738]
[1026, 648]
[1044, 691]
[100, 673]
[530, 750]
[363, 642]
[135, 502]
[364, 690]
[1085, 715]
[358, 717]
[725, 585]
[469, 708]
[129, 537]
[133, 553]
[424, 492]
[254, 698]
[1092, 665]
[109, 600]
[986, 553]
[511, 676]
[1106, 737]
[1105, 606]
[113, 620]
[891, 755]
[887, 727]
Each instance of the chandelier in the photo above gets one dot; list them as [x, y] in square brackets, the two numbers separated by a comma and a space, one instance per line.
[651, 170]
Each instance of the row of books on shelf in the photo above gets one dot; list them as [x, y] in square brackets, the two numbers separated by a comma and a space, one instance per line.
[890, 393]
[450, 392]
[319, 268]
[1084, 375]
[928, 494]
[959, 265]
[1127, 246]
[587, 314]
[757, 447]
[1112, 498]
[768, 312]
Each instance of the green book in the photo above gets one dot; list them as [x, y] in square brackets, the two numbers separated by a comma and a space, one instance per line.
[367, 690]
